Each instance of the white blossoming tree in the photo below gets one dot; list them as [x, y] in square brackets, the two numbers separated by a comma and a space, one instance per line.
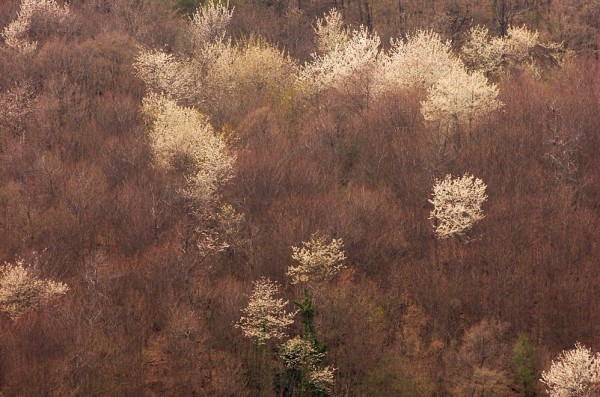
[209, 23]
[456, 205]
[322, 378]
[460, 97]
[493, 55]
[519, 42]
[180, 130]
[21, 290]
[164, 74]
[15, 105]
[222, 77]
[301, 356]
[297, 352]
[219, 76]
[222, 229]
[317, 260]
[347, 66]
[330, 31]
[265, 317]
[16, 34]
[482, 52]
[575, 373]
[455, 96]
[420, 60]
[248, 72]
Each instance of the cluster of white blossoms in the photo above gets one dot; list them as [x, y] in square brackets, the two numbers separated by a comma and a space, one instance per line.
[209, 23]
[322, 378]
[482, 52]
[16, 34]
[493, 55]
[346, 63]
[174, 129]
[330, 31]
[219, 74]
[353, 61]
[317, 260]
[164, 74]
[420, 60]
[456, 205]
[179, 77]
[460, 97]
[454, 95]
[21, 290]
[15, 104]
[519, 42]
[265, 317]
[298, 352]
[185, 131]
[221, 229]
[575, 373]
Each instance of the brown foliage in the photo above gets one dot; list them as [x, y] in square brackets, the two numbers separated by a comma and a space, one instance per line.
[148, 314]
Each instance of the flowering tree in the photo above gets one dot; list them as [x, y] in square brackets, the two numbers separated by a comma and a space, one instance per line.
[302, 356]
[482, 52]
[224, 230]
[265, 317]
[456, 205]
[21, 290]
[220, 76]
[493, 55]
[460, 97]
[231, 71]
[297, 352]
[209, 23]
[15, 104]
[180, 130]
[351, 61]
[317, 259]
[420, 60]
[166, 75]
[519, 42]
[454, 95]
[17, 32]
[330, 31]
[575, 373]
[322, 378]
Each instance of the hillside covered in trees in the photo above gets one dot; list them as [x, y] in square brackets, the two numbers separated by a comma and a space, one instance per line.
[300, 198]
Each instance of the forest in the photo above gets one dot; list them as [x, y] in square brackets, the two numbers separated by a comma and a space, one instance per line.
[300, 198]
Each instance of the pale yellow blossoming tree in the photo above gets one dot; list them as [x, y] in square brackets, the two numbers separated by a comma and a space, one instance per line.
[456, 205]
[330, 31]
[317, 260]
[460, 98]
[347, 64]
[181, 130]
[420, 60]
[209, 23]
[16, 34]
[301, 355]
[265, 317]
[21, 290]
